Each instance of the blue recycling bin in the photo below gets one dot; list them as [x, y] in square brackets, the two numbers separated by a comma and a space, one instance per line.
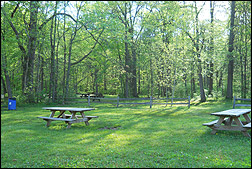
[12, 104]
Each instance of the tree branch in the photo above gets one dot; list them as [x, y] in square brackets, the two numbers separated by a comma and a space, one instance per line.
[190, 37]
[41, 26]
[88, 52]
[15, 10]
[16, 32]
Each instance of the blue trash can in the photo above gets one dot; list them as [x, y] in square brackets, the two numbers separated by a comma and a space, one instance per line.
[12, 104]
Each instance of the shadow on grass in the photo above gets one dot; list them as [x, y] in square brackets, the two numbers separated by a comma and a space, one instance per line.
[157, 134]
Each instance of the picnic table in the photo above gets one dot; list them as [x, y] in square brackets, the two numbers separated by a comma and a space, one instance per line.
[93, 96]
[68, 118]
[84, 95]
[230, 120]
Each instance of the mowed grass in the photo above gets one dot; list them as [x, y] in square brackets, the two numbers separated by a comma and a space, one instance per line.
[170, 137]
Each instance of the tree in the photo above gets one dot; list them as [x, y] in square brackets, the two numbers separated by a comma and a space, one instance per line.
[126, 48]
[198, 48]
[229, 94]
[211, 48]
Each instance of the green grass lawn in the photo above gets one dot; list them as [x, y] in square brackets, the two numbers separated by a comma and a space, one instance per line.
[159, 137]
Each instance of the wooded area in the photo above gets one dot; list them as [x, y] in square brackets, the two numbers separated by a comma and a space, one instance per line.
[125, 48]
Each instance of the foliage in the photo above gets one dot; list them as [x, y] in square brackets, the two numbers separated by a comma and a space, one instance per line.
[161, 58]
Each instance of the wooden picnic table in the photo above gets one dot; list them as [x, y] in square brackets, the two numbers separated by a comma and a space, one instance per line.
[68, 118]
[92, 96]
[84, 95]
[230, 120]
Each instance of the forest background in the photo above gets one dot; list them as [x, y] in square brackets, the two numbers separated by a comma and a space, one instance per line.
[125, 48]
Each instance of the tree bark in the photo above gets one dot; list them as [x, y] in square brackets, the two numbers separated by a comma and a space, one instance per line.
[127, 55]
[229, 94]
[31, 50]
[52, 73]
[211, 51]
[202, 92]
[64, 44]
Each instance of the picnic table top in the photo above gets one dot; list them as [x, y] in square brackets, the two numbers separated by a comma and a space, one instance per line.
[68, 108]
[232, 112]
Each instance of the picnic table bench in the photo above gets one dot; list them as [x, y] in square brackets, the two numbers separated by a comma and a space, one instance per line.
[68, 118]
[230, 120]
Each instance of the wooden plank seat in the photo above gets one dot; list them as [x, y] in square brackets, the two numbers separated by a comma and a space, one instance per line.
[210, 123]
[248, 125]
[79, 116]
[69, 115]
[213, 122]
[55, 119]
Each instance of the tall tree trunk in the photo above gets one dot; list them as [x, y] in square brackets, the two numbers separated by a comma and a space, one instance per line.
[127, 55]
[52, 73]
[3, 84]
[211, 51]
[139, 82]
[31, 50]
[134, 75]
[57, 65]
[229, 94]
[4, 62]
[105, 82]
[68, 68]
[51, 82]
[246, 52]
[151, 78]
[241, 64]
[21, 47]
[202, 92]
[64, 69]
[6, 74]
[96, 80]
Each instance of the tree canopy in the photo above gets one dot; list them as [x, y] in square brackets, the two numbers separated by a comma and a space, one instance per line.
[126, 48]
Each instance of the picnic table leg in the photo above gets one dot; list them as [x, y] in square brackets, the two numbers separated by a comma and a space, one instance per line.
[62, 113]
[86, 122]
[49, 121]
[69, 125]
[228, 122]
[72, 117]
[83, 116]
[213, 131]
[221, 119]
[239, 123]
[248, 120]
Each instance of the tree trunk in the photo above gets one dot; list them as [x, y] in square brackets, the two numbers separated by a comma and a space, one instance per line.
[3, 64]
[202, 92]
[134, 75]
[246, 52]
[3, 84]
[241, 64]
[127, 56]
[64, 69]
[151, 77]
[52, 74]
[31, 50]
[229, 94]
[139, 82]
[6, 74]
[57, 66]
[211, 51]
[96, 80]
